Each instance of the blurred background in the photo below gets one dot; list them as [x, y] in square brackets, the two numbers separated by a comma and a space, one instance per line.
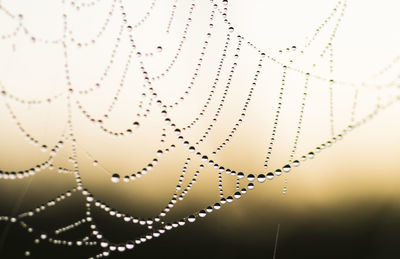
[341, 204]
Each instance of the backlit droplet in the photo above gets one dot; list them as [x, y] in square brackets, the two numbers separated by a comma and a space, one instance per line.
[44, 148]
[250, 177]
[286, 168]
[191, 218]
[250, 186]
[159, 49]
[261, 178]
[237, 195]
[311, 155]
[202, 213]
[278, 172]
[104, 244]
[136, 124]
[95, 163]
[296, 163]
[270, 176]
[115, 178]
[129, 245]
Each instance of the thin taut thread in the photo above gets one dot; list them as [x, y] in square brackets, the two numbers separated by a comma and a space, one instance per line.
[276, 240]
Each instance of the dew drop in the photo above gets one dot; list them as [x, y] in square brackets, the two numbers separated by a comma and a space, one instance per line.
[177, 132]
[261, 178]
[44, 148]
[311, 155]
[237, 195]
[286, 168]
[191, 218]
[159, 49]
[270, 176]
[296, 163]
[250, 177]
[104, 244]
[115, 178]
[202, 213]
[136, 125]
[129, 245]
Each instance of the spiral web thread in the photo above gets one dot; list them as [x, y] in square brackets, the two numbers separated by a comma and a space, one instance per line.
[152, 103]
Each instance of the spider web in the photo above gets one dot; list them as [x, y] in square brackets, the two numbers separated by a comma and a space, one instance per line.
[151, 105]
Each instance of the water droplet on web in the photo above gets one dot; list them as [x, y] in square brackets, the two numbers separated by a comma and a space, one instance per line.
[202, 213]
[191, 218]
[115, 178]
[296, 163]
[250, 177]
[270, 176]
[136, 125]
[237, 195]
[44, 148]
[261, 178]
[104, 244]
[159, 49]
[129, 245]
[286, 168]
